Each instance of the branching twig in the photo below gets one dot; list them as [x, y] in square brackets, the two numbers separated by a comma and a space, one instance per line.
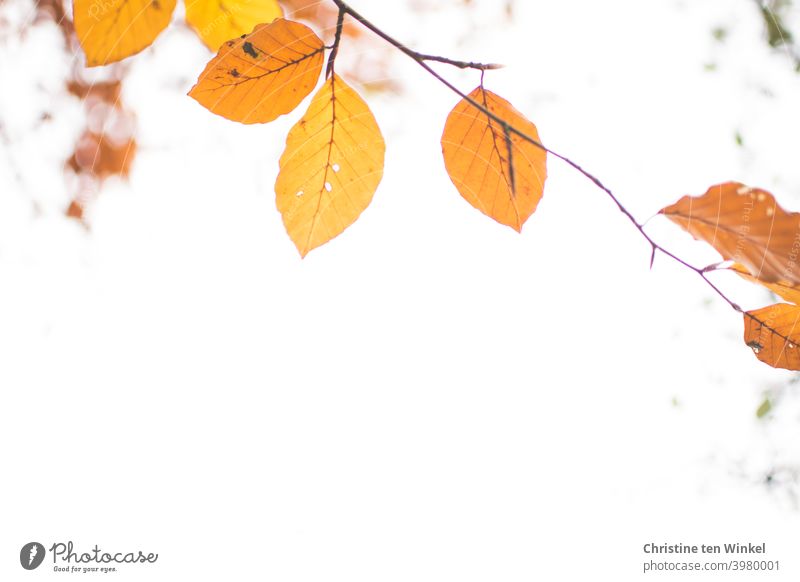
[336, 41]
[459, 64]
[421, 60]
[417, 56]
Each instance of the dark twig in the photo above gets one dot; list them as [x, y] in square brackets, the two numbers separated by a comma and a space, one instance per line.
[336, 41]
[422, 59]
[417, 56]
[459, 64]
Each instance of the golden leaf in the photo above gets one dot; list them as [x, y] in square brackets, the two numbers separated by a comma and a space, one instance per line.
[745, 225]
[217, 21]
[262, 75]
[111, 30]
[773, 333]
[496, 171]
[331, 167]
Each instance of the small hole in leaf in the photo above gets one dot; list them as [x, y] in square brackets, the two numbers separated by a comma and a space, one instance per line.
[336, 167]
[299, 193]
[328, 186]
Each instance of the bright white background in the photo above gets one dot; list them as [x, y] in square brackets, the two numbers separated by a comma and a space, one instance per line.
[430, 396]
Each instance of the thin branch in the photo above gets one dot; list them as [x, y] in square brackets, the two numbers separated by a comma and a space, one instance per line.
[421, 60]
[417, 56]
[459, 64]
[336, 41]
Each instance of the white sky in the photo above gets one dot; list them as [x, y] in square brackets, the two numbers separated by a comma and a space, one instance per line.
[430, 396]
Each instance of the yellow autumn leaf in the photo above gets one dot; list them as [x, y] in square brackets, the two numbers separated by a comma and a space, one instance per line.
[217, 21]
[262, 75]
[111, 30]
[496, 171]
[331, 167]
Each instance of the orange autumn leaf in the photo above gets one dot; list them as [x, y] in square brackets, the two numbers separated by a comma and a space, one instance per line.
[745, 225]
[262, 75]
[101, 157]
[773, 333]
[75, 210]
[782, 289]
[331, 167]
[497, 172]
[217, 21]
[111, 30]
[106, 91]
